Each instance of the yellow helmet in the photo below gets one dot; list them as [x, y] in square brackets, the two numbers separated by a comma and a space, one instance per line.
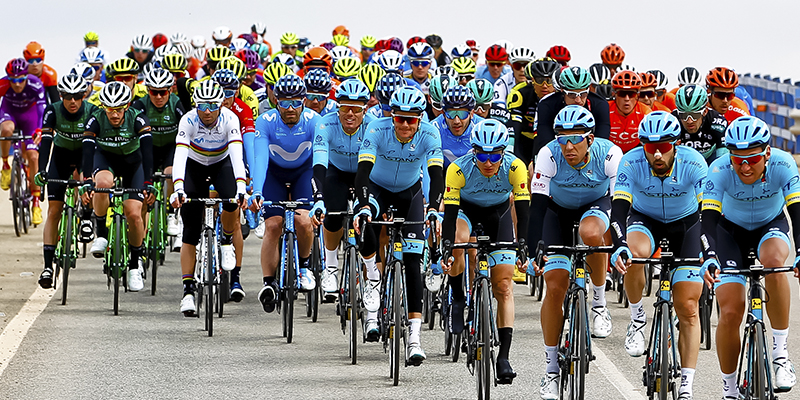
[216, 54]
[91, 36]
[464, 65]
[370, 74]
[174, 62]
[234, 64]
[368, 41]
[289, 38]
[340, 40]
[275, 71]
[346, 67]
[123, 66]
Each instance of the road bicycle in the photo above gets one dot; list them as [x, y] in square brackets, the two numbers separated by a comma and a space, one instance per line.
[67, 245]
[20, 194]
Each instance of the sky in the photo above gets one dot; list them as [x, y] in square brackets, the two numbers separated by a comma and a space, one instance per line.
[748, 36]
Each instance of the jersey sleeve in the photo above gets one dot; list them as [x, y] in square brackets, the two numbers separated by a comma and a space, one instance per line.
[434, 157]
[49, 120]
[142, 125]
[369, 147]
[699, 177]
[714, 188]
[321, 144]
[544, 171]
[181, 153]
[626, 176]
[517, 177]
[260, 154]
[454, 182]
[791, 189]
[611, 166]
[235, 153]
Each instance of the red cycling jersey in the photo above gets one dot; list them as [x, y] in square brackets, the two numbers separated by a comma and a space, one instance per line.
[658, 106]
[625, 128]
[245, 114]
[669, 101]
[737, 108]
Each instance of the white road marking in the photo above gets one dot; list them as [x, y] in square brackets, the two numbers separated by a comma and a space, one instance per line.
[615, 377]
[16, 330]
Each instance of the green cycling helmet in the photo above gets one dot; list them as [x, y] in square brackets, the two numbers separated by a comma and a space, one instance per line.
[439, 85]
[691, 98]
[482, 89]
[574, 78]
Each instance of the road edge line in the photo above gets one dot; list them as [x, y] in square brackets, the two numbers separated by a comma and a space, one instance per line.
[613, 375]
[17, 328]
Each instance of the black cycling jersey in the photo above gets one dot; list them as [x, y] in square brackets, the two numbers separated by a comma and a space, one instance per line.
[709, 138]
[522, 103]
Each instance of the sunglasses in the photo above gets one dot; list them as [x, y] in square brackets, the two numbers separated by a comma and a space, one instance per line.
[692, 116]
[177, 75]
[661, 147]
[436, 106]
[72, 96]
[124, 78]
[660, 93]
[252, 71]
[294, 46]
[468, 77]
[749, 159]
[386, 107]
[519, 65]
[408, 119]
[353, 109]
[724, 95]
[496, 64]
[142, 50]
[420, 63]
[574, 139]
[159, 92]
[116, 109]
[35, 60]
[367, 48]
[96, 67]
[647, 93]
[493, 158]
[574, 95]
[623, 94]
[208, 107]
[286, 104]
[482, 107]
[91, 43]
[542, 80]
[460, 114]
[19, 79]
[318, 97]
[229, 93]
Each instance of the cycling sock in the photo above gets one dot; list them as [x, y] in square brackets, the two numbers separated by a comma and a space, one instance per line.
[269, 280]
[304, 262]
[504, 334]
[599, 298]
[729, 388]
[413, 332]
[372, 269]
[332, 259]
[456, 287]
[101, 230]
[136, 255]
[188, 283]
[235, 273]
[49, 254]
[687, 378]
[372, 315]
[637, 311]
[551, 359]
[779, 348]
[227, 237]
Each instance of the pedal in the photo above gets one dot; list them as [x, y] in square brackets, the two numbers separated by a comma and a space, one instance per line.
[505, 380]
[329, 298]
[189, 314]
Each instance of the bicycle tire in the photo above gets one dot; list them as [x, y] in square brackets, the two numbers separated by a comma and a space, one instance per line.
[66, 257]
[448, 337]
[396, 328]
[313, 297]
[483, 365]
[456, 344]
[539, 287]
[289, 290]
[759, 373]
[352, 265]
[116, 262]
[427, 308]
[576, 366]
[664, 375]
[152, 256]
[224, 289]
[23, 194]
[648, 279]
[705, 318]
[211, 282]
[15, 195]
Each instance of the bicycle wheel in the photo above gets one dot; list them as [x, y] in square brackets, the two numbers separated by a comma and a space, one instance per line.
[705, 318]
[313, 297]
[16, 200]
[353, 311]
[210, 281]
[289, 289]
[575, 368]
[758, 375]
[66, 256]
[539, 287]
[445, 321]
[152, 248]
[648, 282]
[116, 259]
[396, 325]
[664, 377]
[22, 194]
[483, 358]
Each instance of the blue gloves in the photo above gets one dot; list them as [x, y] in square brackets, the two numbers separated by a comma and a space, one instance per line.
[619, 252]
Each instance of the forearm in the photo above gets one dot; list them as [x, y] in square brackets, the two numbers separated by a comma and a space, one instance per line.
[437, 186]
[710, 220]
[619, 214]
[536, 219]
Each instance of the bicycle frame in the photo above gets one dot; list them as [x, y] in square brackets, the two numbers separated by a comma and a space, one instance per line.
[67, 243]
[21, 202]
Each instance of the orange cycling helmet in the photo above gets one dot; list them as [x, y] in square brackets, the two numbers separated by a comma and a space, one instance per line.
[612, 54]
[341, 30]
[318, 56]
[648, 79]
[33, 50]
[722, 77]
[626, 79]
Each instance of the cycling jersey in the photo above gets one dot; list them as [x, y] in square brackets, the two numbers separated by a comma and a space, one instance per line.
[521, 104]
[483, 73]
[331, 106]
[550, 105]
[503, 86]
[25, 108]
[669, 101]
[465, 181]
[246, 122]
[335, 147]
[746, 98]
[208, 145]
[126, 150]
[657, 106]
[454, 146]
[625, 128]
[709, 140]
[62, 128]
[422, 86]
[120, 140]
[49, 79]
[163, 122]
[736, 109]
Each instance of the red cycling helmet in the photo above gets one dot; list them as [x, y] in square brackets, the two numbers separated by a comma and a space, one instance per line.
[496, 53]
[612, 54]
[415, 39]
[159, 39]
[626, 80]
[560, 54]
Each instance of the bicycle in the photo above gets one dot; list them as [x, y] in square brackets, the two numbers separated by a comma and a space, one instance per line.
[755, 375]
[155, 241]
[662, 366]
[575, 349]
[706, 304]
[20, 195]
[316, 261]
[67, 246]
[452, 341]
[430, 300]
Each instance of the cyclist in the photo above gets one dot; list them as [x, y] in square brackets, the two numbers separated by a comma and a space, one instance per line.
[96, 59]
[259, 31]
[563, 191]
[496, 64]
[688, 76]
[337, 140]
[519, 59]
[522, 105]
[117, 143]
[22, 109]
[441, 56]
[62, 131]
[483, 90]
[702, 128]
[420, 57]
[91, 39]
[272, 73]
[663, 184]
[208, 151]
[34, 55]
[648, 94]
[722, 83]
[625, 111]
[662, 96]
[743, 203]
[289, 45]
[141, 52]
[391, 157]
[560, 54]
[282, 147]
[252, 61]
[601, 75]
[346, 68]
[368, 43]
[465, 68]
[238, 67]
[124, 70]
[387, 85]
[456, 122]
[439, 85]
[612, 57]
[316, 57]
[473, 199]
[318, 87]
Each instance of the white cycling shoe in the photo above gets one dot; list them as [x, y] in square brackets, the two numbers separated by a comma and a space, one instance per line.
[785, 377]
[187, 305]
[414, 354]
[548, 389]
[634, 339]
[601, 322]
[173, 225]
[330, 282]
[135, 281]
[372, 296]
[307, 281]
[228, 257]
[99, 247]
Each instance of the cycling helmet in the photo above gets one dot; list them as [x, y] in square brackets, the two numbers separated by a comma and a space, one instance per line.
[691, 99]
[722, 77]
[123, 66]
[234, 64]
[395, 44]
[72, 84]
[473, 45]
[556, 77]
[33, 50]
[184, 48]
[434, 40]
[439, 85]
[142, 42]
[496, 53]
[482, 89]
[543, 67]
[347, 67]
[661, 78]
[209, 91]
[289, 87]
[340, 40]
[489, 135]
[17, 67]
[216, 54]
[574, 117]
[226, 78]
[341, 30]
[221, 33]
[318, 56]
[340, 52]
[249, 57]
[149, 67]
[461, 50]
[648, 79]
[689, 76]
[391, 61]
[283, 58]
[327, 46]
[289, 38]
[303, 43]
[259, 28]
[408, 98]
[505, 44]
[275, 71]
[458, 97]
[447, 70]
[413, 40]
[352, 89]
[464, 65]
[174, 63]
[746, 132]
[83, 70]
[159, 78]
[318, 81]
[626, 67]
[93, 55]
[605, 90]
[115, 94]
[600, 73]
[238, 44]
[178, 37]
[159, 39]
[521, 54]
[626, 79]
[420, 51]
[560, 54]
[261, 49]
[612, 54]
[91, 36]
[659, 126]
[388, 84]
[574, 78]
[370, 75]
[162, 51]
[368, 41]
[198, 42]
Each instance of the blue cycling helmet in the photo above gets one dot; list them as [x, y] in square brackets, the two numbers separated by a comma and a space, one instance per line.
[352, 89]
[226, 78]
[408, 98]
[659, 126]
[746, 132]
[574, 117]
[458, 97]
[388, 84]
[318, 80]
[289, 87]
[461, 50]
[420, 50]
[489, 135]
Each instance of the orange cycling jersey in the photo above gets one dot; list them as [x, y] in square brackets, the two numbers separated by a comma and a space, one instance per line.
[194, 65]
[737, 108]
[657, 106]
[625, 128]
[49, 76]
[669, 101]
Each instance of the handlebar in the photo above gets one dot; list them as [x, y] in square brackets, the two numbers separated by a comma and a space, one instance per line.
[160, 175]
[116, 190]
[289, 204]
[667, 261]
[17, 137]
[210, 200]
[757, 270]
[71, 183]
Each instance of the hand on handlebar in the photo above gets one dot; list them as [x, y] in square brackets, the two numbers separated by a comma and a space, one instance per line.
[711, 268]
[256, 201]
[177, 198]
[363, 214]
[317, 213]
[621, 259]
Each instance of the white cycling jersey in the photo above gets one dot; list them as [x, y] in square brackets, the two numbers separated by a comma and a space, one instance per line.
[503, 87]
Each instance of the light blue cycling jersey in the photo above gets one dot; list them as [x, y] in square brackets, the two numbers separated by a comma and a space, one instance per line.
[376, 112]
[332, 145]
[483, 73]
[330, 107]
[277, 144]
[398, 165]
[752, 206]
[454, 146]
[573, 187]
[466, 182]
[667, 199]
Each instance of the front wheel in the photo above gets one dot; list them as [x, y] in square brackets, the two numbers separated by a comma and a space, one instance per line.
[483, 357]
[289, 289]
[16, 200]
[759, 372]
[67, 253]
[351, 269]
[396, 326]
[664, 378]
[575, 366]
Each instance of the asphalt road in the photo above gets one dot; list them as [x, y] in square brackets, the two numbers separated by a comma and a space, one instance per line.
[150, 350]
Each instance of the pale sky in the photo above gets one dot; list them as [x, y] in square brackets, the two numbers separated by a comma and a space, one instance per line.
[750, 36]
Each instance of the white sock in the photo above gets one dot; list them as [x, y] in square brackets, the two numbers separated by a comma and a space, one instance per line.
[372, 315]
[729, 385]
[332, 258]
[779, 348]
[687, 378]
[637, 311]
[599, 298]
[372, 271]
[413, 332]
[551, 359]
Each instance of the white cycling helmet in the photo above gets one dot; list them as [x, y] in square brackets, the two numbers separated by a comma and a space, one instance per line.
[340, 52]
[72, 84]
[239, 44]
[521, 54]
[115, 94]
[93, 55]
[142, 42]
[285, 59]
[178, 37]
[159, 79]
[209, 91]
[198, 42]
[222, 33]
[391, 61]
[259, 28]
